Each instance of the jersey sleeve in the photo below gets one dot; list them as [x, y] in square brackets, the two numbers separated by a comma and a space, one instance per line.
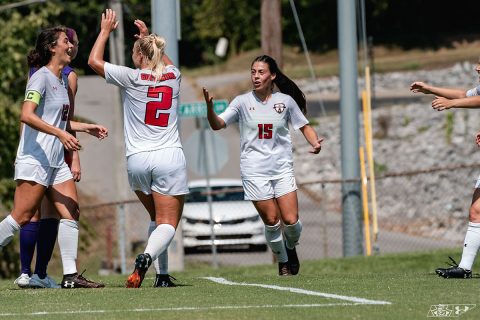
[35, 87]
[296, 116]
[474, 92]
[117, 75]
[232, 113]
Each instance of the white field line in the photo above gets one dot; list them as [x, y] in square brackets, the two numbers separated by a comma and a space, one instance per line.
[296, 290]
[46, 313]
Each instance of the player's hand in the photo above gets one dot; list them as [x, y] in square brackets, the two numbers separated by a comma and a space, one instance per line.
[208, 98]
[142, 29]
[317, 146]
[109, 21]
[75, 169]
[477, 139]
[97, 130]
[69, 141]
[419, 86]
[440, 103]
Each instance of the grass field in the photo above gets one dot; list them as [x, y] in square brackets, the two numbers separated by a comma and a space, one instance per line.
[381, 287]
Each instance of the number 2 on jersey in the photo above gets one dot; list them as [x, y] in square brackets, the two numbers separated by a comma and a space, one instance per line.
[265, 130]
[153, 114]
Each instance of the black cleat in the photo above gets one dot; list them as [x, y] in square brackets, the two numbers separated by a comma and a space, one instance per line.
[164, 281]
[454, 271]
[74, 281]
[142, 263]
[284, 269]
[293, 260]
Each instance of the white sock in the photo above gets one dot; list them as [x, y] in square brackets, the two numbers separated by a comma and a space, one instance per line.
[292, 233]
[274, 237]
[161, 263]
[8, 228]
[470, 246]
[68, 244]
[159, 240]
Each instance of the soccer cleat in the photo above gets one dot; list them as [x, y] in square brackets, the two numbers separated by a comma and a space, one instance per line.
[23, 280]
[293, 260]
[142, 263]
[284, 269]
[454, 271]
[74, 281]
[45, 283]
[164, 281]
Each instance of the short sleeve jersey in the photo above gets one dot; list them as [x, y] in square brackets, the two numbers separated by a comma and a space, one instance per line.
[150, 107]
[474, 92]
[40, 148]
[265, 143]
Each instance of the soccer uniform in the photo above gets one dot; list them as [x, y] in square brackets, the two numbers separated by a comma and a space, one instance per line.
[155, 159]
[66, 71]
[266, 159]
[40, 156]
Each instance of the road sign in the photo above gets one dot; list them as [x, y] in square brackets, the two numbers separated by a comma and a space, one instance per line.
[199, 109]
[213, 144]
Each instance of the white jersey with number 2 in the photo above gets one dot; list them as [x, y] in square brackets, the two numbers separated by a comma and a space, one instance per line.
[150, 107]
[265, 143]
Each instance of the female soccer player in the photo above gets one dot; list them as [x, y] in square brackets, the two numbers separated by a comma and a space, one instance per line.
[266, 161]
[155, 161]
[42, 230]
[40, 167]
[447, 98]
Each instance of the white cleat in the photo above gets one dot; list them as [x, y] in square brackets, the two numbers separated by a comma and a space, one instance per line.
[23, 281]
[47, 282]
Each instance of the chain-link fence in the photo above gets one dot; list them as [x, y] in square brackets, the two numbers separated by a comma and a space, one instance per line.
[417, 211]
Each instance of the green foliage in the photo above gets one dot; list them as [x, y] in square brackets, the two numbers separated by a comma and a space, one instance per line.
[379, 168]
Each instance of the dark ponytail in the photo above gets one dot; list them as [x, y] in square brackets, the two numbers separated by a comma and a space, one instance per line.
[41, 55]
[284, 83]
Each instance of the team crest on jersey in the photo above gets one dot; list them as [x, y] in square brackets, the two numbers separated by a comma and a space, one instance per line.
[279, 107]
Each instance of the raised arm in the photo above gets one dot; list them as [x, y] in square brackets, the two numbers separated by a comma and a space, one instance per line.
[143, 32]
[311, 136]
[449, 93]
[216, 123]
[108, 24]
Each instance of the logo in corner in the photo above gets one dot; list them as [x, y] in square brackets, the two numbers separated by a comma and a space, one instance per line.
[279, 107]
[449, 310]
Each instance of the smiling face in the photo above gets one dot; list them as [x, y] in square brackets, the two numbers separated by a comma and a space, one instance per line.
[262, 78]
[62, 51]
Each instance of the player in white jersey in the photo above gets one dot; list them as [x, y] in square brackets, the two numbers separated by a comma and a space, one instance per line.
[447, 98]
[155, 161]
[40, 167]
[266, 161]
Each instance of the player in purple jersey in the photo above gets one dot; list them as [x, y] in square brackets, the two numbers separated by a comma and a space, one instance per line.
[448, 98]
[42, 233]
[40, 167]
[266, 160]
[155, 161]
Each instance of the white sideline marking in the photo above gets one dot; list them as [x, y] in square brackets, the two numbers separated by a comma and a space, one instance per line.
[46, 313]
[296, 290]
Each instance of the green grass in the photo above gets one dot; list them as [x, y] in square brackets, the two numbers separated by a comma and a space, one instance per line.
[406, 281]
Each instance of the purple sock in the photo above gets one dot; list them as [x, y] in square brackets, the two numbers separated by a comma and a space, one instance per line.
[47, 236]
[28, 240]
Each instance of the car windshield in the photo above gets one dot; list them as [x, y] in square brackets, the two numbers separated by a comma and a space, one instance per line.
[222, 193]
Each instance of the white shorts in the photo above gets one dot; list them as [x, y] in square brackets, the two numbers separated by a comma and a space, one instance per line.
[44, 175]
[163, 171]
[257, 189]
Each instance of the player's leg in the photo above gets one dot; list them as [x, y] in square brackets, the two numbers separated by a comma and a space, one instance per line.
[28, 195]
[286, 197]
[471, 243]
[63, 195]
[47, 236]
[28, 239]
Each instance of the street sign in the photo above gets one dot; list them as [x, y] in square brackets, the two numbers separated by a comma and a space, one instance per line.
[199, 109]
